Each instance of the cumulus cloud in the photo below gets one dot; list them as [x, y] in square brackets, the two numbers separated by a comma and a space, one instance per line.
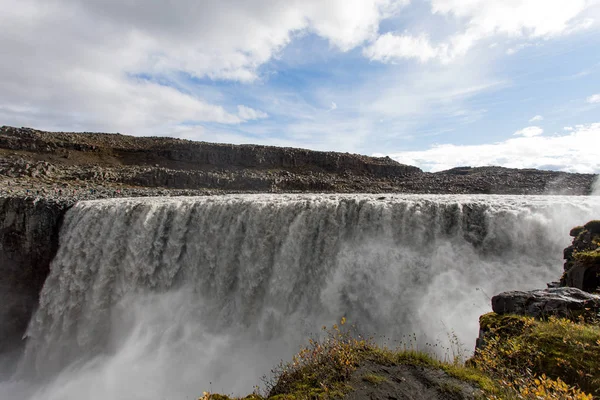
[595, 98]
[530, 131]
[536, 118]
[515, 19]
[109, 64]
[529, 18]
[152, 68]
[249, 114]
[576, 151]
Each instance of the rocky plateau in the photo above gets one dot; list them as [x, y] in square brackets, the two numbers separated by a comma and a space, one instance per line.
[95, 165]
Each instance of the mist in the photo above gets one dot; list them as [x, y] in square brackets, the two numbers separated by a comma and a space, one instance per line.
[167, 298]
[596, 186]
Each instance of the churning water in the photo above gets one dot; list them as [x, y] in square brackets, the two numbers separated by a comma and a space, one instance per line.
[162, 298]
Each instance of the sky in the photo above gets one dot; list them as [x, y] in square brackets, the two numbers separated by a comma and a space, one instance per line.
[432, 83]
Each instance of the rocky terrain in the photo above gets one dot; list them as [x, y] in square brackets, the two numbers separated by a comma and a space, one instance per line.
[96, 165]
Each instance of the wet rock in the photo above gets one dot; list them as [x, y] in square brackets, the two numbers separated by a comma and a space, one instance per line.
[582, 258]
[563, 302]
[28, 242]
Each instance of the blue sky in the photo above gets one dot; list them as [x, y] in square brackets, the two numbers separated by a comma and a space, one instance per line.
[433, 83]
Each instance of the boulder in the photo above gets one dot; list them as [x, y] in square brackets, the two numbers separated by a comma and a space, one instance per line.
[564, 302]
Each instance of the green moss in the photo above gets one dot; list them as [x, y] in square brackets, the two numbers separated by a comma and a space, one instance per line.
[591, 257]
[473, 375]
[374, 379]
[558, 348]
[504, 324]
[450, 388]
[465, 373]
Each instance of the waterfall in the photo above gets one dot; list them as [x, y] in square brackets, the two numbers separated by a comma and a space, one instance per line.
[166, 297]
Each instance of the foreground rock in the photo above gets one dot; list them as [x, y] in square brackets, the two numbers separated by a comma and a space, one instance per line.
[563, 302]
[554, 358]
[408, 382]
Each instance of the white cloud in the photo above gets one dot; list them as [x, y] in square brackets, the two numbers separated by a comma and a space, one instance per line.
[516, 18]
[389, 47]
[104, 64]
[530, 131]
[568, 128]
[249, 114]
[333, 106]
[576, 151]
[482, 19]
[141, 67]
[537, 118]
[594, 99]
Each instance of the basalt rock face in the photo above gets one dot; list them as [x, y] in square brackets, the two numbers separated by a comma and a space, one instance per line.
[184, 154]
[33, 159]
[562, 302]
[582, 258]
[28, 242]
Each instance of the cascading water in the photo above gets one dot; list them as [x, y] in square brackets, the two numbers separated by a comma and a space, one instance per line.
[165, 298]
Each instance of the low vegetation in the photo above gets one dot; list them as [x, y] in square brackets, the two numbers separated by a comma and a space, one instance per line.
[591, 257]
[522, 358]
[374, 379]
[553, 359]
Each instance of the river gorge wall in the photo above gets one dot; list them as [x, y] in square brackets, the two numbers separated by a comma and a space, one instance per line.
[38, 161]
[28, 241]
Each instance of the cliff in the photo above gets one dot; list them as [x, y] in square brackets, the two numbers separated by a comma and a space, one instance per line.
[50, 161]
[28, 242]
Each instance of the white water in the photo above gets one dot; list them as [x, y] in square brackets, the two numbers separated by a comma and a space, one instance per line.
[165, 298]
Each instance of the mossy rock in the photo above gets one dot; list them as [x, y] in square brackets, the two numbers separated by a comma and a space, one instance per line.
[558, 348]
[505, 324]
[593, 226]
[590, 258]
[576, 231]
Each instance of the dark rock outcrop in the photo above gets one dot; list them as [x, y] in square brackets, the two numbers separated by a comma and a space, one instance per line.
[184, 154]
[28, 242]
[582, 258]
[562, 302]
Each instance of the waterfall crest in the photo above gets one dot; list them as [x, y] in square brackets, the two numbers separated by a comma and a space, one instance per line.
[166, 296]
